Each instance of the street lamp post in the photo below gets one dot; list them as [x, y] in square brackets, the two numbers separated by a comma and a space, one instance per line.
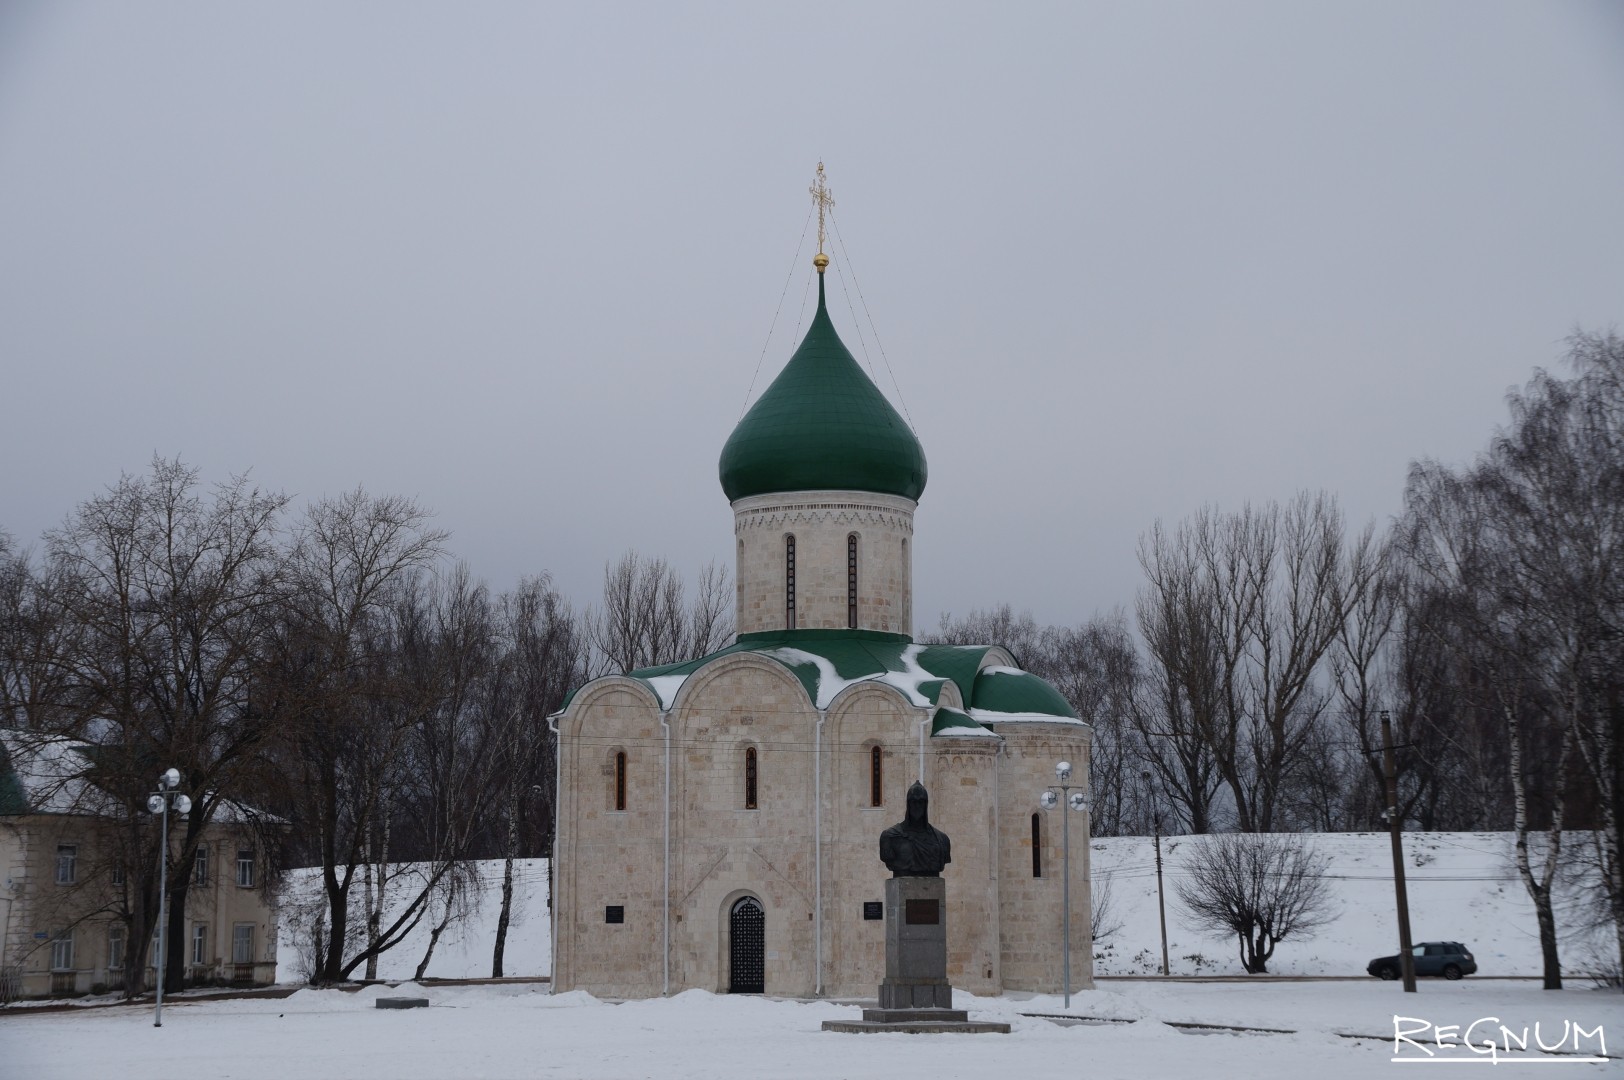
[1076, 798]
[159, 803]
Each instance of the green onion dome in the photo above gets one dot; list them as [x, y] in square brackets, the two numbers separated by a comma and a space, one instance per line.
[822, 424]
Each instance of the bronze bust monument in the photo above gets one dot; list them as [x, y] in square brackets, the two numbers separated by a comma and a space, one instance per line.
[914, 847]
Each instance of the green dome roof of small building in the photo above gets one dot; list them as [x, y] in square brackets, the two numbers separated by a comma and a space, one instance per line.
[1002, 694]
[821, 425]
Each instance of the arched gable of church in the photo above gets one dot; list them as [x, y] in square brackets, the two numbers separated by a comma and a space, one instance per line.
[743, 724]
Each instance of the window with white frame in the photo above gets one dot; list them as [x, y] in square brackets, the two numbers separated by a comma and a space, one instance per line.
[67, 864]
[62, 951]
[242, 943]
[245, 867]
[115, 947]
[200, 943]
[200, 866]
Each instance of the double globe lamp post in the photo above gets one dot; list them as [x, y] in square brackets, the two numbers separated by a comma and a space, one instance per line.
[1075, 798]
[160, 802]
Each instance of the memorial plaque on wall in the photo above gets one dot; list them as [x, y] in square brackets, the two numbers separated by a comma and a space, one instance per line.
[926, 912]
[873, 909]
[615, 913]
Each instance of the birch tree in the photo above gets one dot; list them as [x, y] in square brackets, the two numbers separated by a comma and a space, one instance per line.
[1527, 547]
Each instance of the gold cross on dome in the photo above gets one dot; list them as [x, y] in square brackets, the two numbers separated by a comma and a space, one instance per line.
[824, 201]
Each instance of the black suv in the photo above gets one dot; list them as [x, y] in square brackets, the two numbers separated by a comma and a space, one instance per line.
[1450, 959]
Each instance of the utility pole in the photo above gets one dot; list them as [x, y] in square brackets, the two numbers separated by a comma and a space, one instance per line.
[1395, 823]
[1161, 902]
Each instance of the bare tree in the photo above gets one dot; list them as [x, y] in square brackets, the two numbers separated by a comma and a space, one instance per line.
[646, 619]
[334, 681]
[544, 658]
[438, 786]
[166, 596]
[1103, 922]
[1261, 888]
[1095, 666]
[1192, 657]
[1239, 613]
[1019, 634]
[36, 645]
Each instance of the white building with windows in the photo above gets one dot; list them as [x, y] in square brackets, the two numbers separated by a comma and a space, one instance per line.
[718, 820]
[65, 882]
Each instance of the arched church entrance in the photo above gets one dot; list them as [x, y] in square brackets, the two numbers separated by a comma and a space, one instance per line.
[747, 947]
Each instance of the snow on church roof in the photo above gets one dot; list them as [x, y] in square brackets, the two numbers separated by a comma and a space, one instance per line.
[826, 662]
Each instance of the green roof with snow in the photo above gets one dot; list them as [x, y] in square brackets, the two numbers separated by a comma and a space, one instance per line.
[828, 661]
[953, 722]
[822, 424]
[1008, 694]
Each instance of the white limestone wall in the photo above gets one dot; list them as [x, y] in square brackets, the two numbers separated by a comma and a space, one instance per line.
[820, 522]
[1003, 930]
[1030, 907]
[723, 849]
[607, 856]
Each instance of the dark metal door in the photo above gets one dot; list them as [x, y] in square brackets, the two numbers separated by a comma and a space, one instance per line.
[747, 944]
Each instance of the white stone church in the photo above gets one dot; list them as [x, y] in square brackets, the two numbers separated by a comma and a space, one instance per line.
[718, 820]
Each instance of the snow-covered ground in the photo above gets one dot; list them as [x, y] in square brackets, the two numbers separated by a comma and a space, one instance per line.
[521, 1031]
[1462, 887]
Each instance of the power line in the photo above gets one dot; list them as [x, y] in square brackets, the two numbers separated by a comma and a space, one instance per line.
[773, 325]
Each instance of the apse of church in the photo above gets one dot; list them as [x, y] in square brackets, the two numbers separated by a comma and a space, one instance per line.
[718, 818]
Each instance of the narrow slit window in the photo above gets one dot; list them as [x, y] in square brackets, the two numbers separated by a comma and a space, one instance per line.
[876, 776]
[1037, 846]
[750, 778]
[789, 582]
[620, 780]
[851, 584]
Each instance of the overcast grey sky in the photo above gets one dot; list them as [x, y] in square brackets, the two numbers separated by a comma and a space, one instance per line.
[519, 260]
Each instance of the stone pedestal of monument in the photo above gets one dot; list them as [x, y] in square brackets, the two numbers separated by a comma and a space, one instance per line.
[915, 996]
[916, 945]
